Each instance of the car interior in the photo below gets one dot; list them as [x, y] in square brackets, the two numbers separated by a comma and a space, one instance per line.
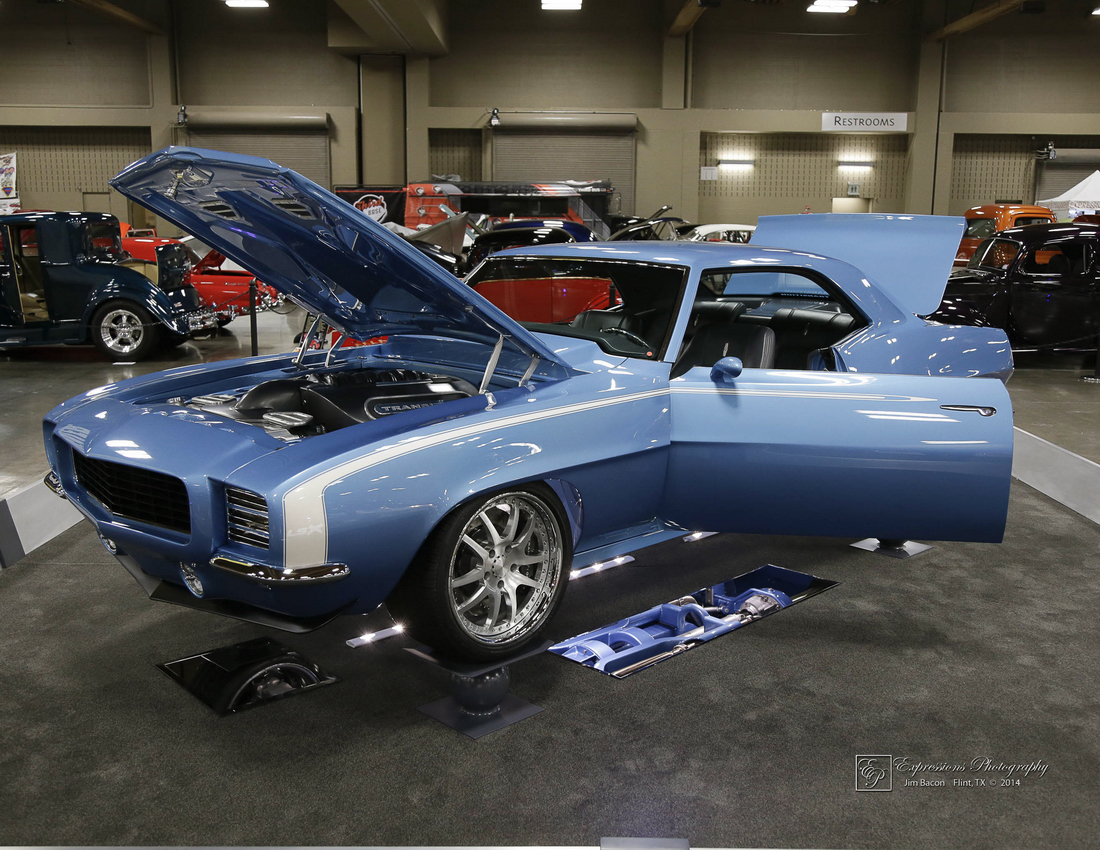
[769, 320]
[28, 274]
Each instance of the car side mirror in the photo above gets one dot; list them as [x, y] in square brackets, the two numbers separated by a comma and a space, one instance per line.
[726, 369]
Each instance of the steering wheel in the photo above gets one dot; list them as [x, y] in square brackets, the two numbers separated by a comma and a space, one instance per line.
[633, 337]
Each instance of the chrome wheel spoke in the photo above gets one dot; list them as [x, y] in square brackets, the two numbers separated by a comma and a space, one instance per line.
[487, 523]
[467, 578]
[527, 560]
[494, 610]
[525, 580]
[476, 547]
[474, 600]
[511, 525]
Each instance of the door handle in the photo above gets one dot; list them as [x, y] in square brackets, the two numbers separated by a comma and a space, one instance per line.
[970, 408]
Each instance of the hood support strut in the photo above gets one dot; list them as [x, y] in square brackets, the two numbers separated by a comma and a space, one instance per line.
[491, 366]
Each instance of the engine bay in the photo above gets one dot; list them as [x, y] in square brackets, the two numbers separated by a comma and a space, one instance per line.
[307, 405]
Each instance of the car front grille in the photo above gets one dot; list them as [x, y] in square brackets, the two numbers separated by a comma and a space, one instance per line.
[248, 517]
[134, 493]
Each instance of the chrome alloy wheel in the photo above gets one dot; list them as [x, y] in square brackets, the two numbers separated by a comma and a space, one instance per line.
[505, 568]
[122, 330]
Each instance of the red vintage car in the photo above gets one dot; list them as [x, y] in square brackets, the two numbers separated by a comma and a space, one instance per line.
[222, 284]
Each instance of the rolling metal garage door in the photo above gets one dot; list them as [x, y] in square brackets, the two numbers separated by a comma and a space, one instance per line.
[304, 151]
[533, 156]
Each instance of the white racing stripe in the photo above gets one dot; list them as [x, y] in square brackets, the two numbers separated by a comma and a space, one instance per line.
[305, 529]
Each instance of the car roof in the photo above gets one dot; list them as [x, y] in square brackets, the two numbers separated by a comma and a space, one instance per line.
[674, 252]
[1046, 232]
[993, 209]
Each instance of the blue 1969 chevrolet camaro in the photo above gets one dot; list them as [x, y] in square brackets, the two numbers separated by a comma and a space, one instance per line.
[457, 465]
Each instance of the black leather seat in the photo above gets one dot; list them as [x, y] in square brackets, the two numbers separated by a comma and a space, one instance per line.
[753, 344]
[1059, 264]
[799, 333]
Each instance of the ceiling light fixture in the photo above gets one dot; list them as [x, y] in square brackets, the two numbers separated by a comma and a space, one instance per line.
[832, 7]
[561, 5]
[246, 4]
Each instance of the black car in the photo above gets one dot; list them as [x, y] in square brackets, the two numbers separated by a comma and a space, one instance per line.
[1040, 283]
[64, 278]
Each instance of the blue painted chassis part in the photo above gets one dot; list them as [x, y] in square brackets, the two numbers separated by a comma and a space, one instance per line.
[665, 630]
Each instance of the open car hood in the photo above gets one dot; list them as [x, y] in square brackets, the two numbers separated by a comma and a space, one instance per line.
[908, 256]
[309, 244]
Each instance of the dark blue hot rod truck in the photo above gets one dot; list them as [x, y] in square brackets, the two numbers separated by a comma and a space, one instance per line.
[64, 278]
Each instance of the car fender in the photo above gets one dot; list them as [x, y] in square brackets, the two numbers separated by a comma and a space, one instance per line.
[170, 309]
[372, 504]
[923, 347]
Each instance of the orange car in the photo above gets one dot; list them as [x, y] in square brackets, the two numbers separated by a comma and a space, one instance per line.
[993, 218]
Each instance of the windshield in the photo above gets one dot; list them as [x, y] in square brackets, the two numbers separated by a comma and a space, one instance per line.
[103, 243]
[626, 308]
[979, 228]
[995, 254]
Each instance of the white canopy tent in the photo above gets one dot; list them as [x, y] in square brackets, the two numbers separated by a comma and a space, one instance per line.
[1084, 196]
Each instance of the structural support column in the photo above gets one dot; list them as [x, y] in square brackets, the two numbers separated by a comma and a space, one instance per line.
[674, 73]
[417, 103]
[923, 160]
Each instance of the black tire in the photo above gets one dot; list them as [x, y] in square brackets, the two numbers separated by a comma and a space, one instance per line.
[123, 330]
[467, 595]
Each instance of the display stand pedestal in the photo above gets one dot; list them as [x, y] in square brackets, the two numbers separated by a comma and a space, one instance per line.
[893, 548]
[479, 701]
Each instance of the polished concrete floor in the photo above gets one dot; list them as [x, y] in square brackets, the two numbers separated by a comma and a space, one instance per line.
[1051, 399]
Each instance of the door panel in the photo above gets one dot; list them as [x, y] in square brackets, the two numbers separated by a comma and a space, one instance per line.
[822, 453]
[1053, 294]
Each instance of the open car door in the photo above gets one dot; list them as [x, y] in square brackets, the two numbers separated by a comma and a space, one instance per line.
[839, 454]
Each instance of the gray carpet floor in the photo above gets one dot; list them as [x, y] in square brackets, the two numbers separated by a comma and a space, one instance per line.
[966, 652]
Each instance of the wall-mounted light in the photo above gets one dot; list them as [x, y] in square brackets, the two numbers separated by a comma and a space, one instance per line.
[1096, 11]
[832, 7]
[863, 164]
[181, 116]
[736, 163]
[246, 4]
[494, 118]
[561, 5]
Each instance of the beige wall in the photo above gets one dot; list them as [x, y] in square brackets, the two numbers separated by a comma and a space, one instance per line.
[59, 54]
[606, 56]
[792, 171]
[747, 68]
[277, 56]
[762, 56]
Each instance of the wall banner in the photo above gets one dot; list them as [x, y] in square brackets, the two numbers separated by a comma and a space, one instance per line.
[9, 196]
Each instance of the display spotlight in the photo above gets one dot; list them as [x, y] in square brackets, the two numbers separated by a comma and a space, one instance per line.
[375, 637]
[599, 567]
[494, 118]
